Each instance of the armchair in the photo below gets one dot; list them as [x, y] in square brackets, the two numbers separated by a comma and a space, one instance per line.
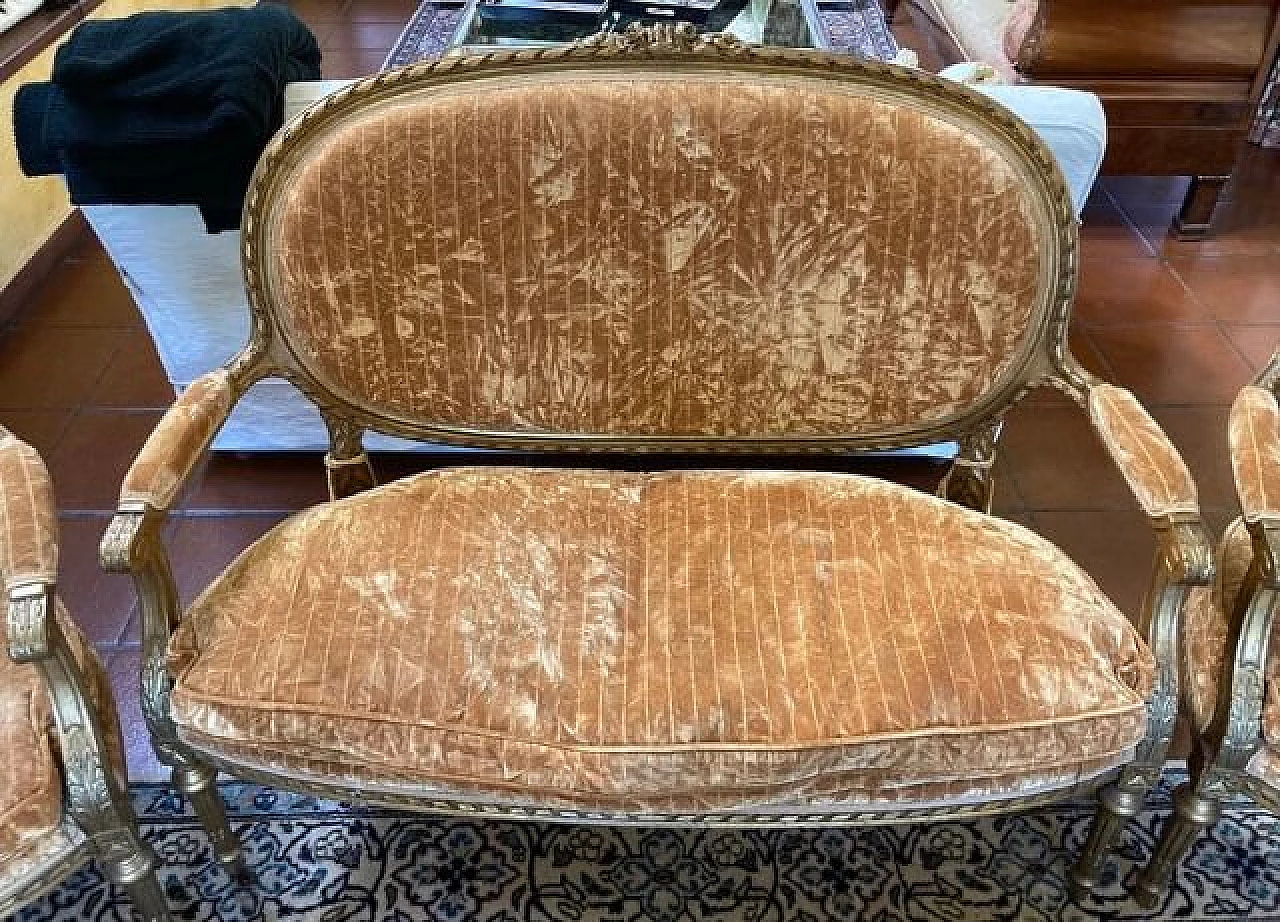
[654, 244]
[1232, 667]
[63, 796]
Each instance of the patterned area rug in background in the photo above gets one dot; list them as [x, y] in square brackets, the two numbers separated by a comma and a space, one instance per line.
[854, 26]
[322, 862]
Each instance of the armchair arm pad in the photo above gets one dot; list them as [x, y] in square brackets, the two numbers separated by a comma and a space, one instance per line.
[28, 516]
[1253, 433]
[179, 441]
[1151, 466]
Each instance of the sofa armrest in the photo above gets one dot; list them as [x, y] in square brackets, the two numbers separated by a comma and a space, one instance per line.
[28, 516]
[1254, 439]
[1150, 464]
[179, 441]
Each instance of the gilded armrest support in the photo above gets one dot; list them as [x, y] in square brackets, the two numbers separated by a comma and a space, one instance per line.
[179, 441]
[1235, 731]
[133, 545]
[1184, 560]
[88, 733]
[93, 764]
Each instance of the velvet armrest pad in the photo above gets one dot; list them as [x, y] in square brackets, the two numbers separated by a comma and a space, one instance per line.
[1150, 464]
[28, 516]
[1253, 433]
[179, 441]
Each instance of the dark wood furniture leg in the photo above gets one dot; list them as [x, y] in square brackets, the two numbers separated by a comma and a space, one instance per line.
[1193, 218]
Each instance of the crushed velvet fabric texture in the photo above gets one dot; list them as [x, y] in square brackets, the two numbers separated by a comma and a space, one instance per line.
[28, 521]
[1146, 458]
[1205, 627]
[1254, 439]
[173, 448]
[33, 832]
[690, 640]
[1254, 436]
[1204, 623]
[30, 785]
[695, 255]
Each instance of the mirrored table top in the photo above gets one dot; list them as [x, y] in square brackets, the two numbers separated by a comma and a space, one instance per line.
[488, 24]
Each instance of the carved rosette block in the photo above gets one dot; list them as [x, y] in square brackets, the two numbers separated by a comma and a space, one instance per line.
[28, 634]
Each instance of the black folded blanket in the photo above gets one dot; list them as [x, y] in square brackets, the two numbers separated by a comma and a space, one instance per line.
[165, 108]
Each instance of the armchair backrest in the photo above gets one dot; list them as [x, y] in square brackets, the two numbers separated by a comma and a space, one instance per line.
[660, 244]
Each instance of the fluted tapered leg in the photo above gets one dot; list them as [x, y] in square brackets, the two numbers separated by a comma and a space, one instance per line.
[137, 874]
[197, 783]
[1192, 814]
[1116, 807]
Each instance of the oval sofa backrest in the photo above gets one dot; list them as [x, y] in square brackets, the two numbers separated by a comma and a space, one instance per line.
[660, 253]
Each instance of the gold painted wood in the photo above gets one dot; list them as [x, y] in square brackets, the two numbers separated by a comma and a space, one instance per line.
[133, 543]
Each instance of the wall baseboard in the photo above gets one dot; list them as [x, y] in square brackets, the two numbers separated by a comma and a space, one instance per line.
[38, 268]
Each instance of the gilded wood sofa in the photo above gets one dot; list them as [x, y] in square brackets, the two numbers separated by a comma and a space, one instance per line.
[1178, 78]
[62, 777]
[1232, 693]
[648, 244]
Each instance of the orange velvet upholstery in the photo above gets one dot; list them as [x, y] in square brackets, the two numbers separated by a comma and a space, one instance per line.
[28, 522]
[649, 255]
[30, 785]
[678, 641]
[1149, 462]
[1204, 629]
[34, 833]
[1254, 438]
[1204, 635]
[665, 244]
[178, 442]
[1254, 441]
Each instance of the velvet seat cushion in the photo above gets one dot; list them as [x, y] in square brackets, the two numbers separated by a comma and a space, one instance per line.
[652, 642]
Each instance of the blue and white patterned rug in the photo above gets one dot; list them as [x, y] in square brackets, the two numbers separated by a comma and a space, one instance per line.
[854, 26]
[322, 862]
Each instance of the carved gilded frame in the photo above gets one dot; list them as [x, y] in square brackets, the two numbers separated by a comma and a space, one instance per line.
[133, 543]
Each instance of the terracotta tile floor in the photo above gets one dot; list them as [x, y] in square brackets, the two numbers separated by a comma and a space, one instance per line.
[1184, 325]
